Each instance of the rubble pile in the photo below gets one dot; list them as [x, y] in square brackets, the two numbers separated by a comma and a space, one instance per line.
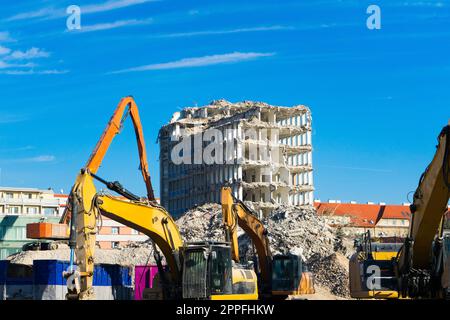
[129, 256]
[202, 223]
[298, 230]
[331, 272]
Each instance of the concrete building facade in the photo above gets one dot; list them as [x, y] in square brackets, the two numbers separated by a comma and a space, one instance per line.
[20, 206]
[113, 234]
[263, 152]
[29, 201]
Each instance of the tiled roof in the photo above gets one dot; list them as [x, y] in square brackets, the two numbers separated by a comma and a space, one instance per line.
[395, 212]
[363, 215]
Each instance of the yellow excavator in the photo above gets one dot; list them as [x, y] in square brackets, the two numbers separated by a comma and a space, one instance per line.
[420, 268]
[280, 275]
[200, 270]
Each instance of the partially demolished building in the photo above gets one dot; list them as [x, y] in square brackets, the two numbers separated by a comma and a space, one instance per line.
[263, 152]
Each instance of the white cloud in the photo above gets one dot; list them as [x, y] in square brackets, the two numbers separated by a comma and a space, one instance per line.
[18, 149]
[113, 25]
[111, 5]
[4, 50]
[200, 61]
[193, 12]
[46, 13]
[32, 72]
[12, 118]
[32, 53]
[218, 32]
[4, 65]
[5, 37]
[9, 68]
[435, 4]
[37, 159]
[43, 158]
[54, 13]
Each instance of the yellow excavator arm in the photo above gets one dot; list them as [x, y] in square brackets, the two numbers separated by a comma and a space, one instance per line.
[145, 217]
[420, 261]
[419, 269]
[430, 202]
[235, 213]
[273, 280]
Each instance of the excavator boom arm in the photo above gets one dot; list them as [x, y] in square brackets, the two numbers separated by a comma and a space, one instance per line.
[112, 129]
[151, 220]
[127, 106]
[236, 213]
[430, 204]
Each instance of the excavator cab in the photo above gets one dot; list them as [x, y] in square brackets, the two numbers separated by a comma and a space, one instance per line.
[290, 276]
[207, 270]
[286, 272]
[208, 273]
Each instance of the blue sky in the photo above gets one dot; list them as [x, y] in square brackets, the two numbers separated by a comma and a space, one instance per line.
[378, 97]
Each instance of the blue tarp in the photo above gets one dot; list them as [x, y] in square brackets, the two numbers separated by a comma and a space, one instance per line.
[3, 269]
[50, 272]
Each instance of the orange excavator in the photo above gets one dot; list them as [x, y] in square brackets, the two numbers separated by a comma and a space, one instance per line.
[280, 275]
[127, 107]
[200, 270]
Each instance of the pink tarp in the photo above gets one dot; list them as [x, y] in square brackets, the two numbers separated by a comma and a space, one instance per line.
[144, 276]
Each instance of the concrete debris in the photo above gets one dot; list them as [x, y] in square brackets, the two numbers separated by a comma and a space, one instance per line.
[202, 223]
[299, 227]
[331, 272]
[131, 256]
[298, 230]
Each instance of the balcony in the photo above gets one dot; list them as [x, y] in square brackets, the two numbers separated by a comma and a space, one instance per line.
[30, 202]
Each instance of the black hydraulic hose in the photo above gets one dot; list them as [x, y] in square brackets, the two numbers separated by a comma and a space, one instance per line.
[117, 187]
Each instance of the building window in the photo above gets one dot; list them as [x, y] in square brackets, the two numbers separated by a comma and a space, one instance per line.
[115, 230]
[9, 195]
[13, 210]
[49, 211]
[115, 244]
[31, 210]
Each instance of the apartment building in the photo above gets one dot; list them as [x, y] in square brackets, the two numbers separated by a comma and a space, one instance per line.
[29, 201]
[113, 234]
[382, 220]
[20, 206]
[263, 152]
